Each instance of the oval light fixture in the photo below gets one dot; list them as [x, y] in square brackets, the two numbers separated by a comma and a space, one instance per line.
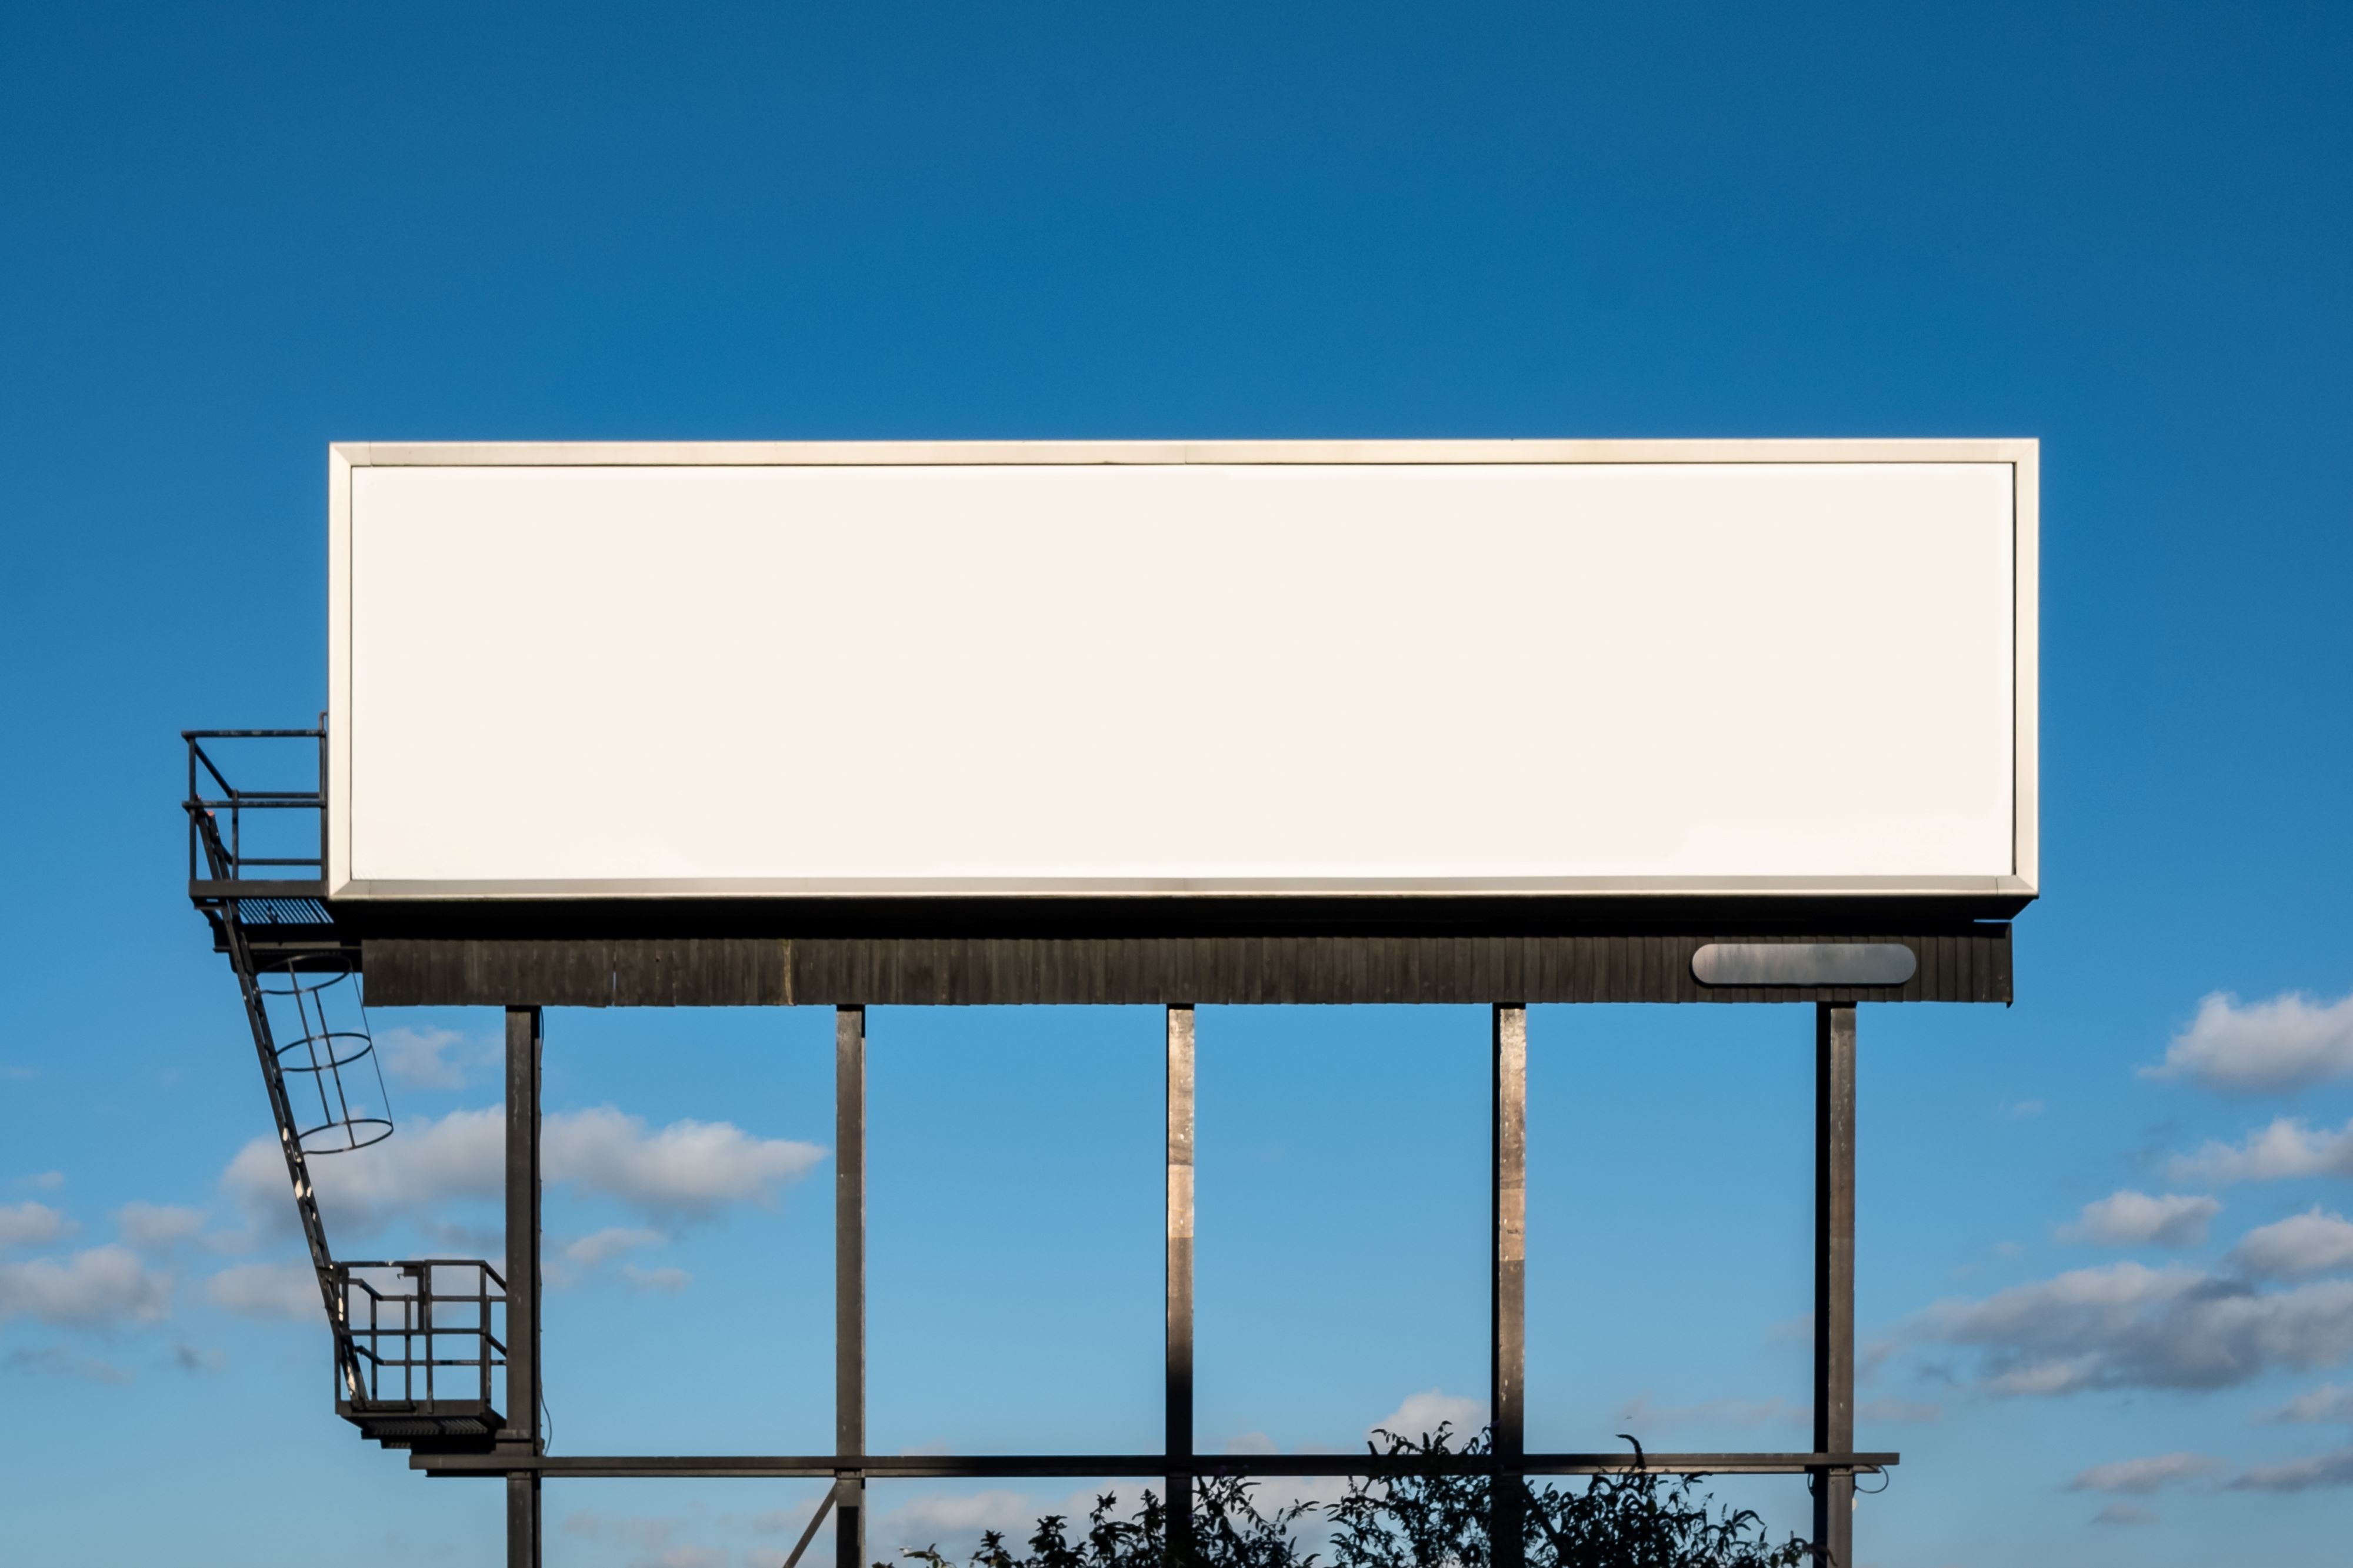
[1804, 963]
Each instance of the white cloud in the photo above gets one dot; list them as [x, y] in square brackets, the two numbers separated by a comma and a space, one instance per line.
[104, 1285]
[1420, 1415]
[2285, 1148]
[155, 1227]
[2135, 1219]
[604, 1245]
[687, 1170]
[43, 1181]
[430, 1059]
[2296, 1247]
[2022, 1109]
[666, 1279]
[2288, 1042]
[2327, 1403]
[269, 1291]
[2140, 1477]
[958, 1519]
[2334, 1468]
[29, 1223]
[2129, 1326]
[2124, 1513]
[461, 1156]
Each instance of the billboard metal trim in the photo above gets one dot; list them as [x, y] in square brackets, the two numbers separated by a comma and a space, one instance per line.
[2022, 453]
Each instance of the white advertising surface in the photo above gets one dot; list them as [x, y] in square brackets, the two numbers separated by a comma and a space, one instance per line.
[1379, 669]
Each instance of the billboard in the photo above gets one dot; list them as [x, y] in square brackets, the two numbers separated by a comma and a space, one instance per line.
[1386, 669]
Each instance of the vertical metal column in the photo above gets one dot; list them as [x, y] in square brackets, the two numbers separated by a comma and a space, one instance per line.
[1178, 1436]
[1507, 1366]
[1834, 1278]
[849, 1282]
[521, 1432]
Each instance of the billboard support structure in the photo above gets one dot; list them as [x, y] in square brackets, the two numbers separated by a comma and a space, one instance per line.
[522, 1434]
[1178, 1401]
[1835, 1107]
[643, 654]
[850, 1281]
[1507, 1330]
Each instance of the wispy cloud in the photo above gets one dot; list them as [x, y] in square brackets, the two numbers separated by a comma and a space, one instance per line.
[686, 1171]
[2137, 1219]
[105, 1284]
[667, 1278]
[2327, 1403]
[460, 1156]
[2333, 1468]
[2288, 1042]
[157, 1227]
[2284, 1150]
[958, 1518]
[2141, 1477]
[2296, 1247]
[432, 1059]
[2130, 1326]
[2124, 1513]
[604, 1245]
[268, 1290]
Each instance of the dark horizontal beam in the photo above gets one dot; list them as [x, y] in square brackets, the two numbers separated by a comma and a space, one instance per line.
[1966, 963]
[203, 891]
[912, 1467]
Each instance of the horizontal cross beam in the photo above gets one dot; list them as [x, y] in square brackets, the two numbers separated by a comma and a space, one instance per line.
[912, 1467]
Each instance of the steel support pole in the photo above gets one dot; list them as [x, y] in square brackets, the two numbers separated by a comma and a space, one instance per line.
[1178, 1407]
[1507, 1366]
[1834, 1278]
[850, 1281]
[521, 1430]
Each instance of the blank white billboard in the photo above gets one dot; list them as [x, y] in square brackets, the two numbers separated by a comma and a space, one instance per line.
[1022, 668]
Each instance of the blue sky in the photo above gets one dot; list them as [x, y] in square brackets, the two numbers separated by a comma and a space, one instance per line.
[234, 234]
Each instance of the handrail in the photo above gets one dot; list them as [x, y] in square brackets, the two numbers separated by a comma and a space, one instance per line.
[205, 810]
[400, 1343]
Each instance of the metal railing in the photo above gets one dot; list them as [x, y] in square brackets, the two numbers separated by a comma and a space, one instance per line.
[406, 1341]
[231, 804]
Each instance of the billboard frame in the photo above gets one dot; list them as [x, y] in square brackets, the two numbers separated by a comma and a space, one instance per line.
[1974, 895]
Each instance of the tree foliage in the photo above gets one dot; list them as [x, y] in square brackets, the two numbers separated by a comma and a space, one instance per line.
[1639, 1519]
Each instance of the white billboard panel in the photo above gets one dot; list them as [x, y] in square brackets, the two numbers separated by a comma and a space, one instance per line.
[1379, 669]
